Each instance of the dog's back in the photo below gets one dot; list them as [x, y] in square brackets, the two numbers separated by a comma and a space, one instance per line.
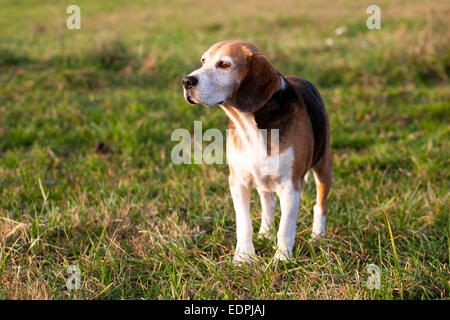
[316, 111]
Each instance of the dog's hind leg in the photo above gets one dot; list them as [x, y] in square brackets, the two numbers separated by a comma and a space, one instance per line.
[323, 174]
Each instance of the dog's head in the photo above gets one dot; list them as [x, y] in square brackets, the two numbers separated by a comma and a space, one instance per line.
[233, 73]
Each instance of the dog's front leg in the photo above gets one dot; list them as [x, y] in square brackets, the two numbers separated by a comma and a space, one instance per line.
[289, 200]
[268, 203]
[240, 191]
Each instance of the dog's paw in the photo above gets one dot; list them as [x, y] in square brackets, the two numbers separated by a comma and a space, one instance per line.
[265, 235]
[318, 228]
[317, 235]
[243, 258]
[282, 255]
[245, 253]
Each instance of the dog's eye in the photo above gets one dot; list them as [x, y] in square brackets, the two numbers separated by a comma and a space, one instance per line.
[223, 65]
[203, 61]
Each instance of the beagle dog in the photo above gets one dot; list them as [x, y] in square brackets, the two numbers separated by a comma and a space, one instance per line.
[257, 99]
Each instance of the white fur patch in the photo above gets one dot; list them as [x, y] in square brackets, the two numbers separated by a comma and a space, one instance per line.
[318, 229]
[289, 201]
[214, 85]
[282, 83]
[268, 172]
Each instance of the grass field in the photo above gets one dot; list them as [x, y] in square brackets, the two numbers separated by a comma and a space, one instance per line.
[140, 227]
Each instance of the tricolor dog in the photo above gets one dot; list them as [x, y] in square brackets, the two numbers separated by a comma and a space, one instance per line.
[254, 96]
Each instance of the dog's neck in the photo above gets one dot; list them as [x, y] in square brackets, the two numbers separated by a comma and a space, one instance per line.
[242, 124]
[270, 116]
[247, 125]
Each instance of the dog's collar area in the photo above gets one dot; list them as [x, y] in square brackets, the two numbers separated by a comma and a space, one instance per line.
[285, 93]
[282, 82]
[284, 90]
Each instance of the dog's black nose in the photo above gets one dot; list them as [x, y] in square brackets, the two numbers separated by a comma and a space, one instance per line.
[189, 82]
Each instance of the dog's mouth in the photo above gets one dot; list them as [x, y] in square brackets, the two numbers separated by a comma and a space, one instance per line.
[194, 101]
[189, 99]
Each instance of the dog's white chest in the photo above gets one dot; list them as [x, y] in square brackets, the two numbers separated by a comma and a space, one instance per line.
[266, 172]
[250, 159]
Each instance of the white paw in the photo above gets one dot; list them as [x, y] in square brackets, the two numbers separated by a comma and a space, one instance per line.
[266, 234]
[282, 255]
[317, 234]
[318, 229]
[245, 252]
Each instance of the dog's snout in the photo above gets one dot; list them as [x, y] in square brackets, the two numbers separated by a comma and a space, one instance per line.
[189, 82]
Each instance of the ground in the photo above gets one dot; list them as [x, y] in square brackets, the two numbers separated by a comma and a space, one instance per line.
[86, 176]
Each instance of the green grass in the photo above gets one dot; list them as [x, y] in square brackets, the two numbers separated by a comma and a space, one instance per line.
[140, 227]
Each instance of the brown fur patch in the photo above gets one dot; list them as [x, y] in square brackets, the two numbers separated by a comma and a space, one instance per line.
[261, 81]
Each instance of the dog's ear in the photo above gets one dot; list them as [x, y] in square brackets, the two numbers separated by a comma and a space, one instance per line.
[260, 82]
